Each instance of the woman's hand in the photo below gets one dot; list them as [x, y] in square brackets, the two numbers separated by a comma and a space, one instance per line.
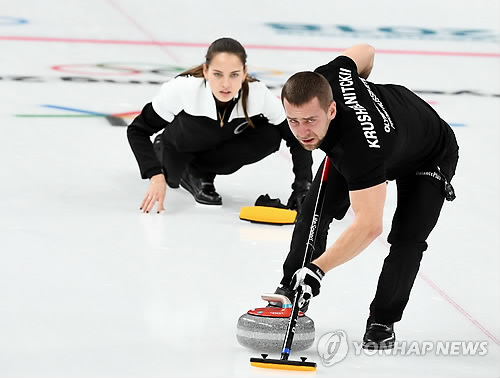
[155, 193]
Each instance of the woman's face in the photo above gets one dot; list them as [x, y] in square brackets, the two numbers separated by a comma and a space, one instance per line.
[225, 74]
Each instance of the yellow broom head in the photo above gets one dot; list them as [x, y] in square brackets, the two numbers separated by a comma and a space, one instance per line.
[269, 215]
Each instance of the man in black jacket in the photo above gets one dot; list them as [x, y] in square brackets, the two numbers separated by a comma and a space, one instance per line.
[372, 133]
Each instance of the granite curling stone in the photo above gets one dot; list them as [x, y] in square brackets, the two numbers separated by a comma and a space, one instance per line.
[263, 329]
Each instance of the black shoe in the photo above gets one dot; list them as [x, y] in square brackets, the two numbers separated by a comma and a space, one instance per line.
[202, 189]
[158, 147]
[378, 336]
[290, 294]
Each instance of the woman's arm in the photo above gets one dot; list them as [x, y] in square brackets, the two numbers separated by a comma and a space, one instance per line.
[139, 136]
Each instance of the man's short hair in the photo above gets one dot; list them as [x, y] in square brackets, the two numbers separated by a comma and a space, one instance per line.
[302, 87]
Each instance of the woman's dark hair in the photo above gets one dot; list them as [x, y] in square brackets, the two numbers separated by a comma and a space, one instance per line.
[230, 46]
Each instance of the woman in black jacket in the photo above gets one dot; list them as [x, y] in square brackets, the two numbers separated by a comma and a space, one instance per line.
[215, 119]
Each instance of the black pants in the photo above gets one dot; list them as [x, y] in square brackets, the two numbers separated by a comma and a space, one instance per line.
[419, 203]
[223, 153]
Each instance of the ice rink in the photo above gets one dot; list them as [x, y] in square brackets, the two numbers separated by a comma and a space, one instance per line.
[92, 287]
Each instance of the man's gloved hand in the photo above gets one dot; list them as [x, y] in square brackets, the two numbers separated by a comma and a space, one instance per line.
[300, 189]
[309, 277]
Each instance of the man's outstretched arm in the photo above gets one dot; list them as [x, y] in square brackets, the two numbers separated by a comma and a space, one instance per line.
[368, 207]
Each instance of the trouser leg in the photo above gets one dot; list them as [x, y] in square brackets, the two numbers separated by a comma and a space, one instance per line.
[419, 203]
[246, 148]
[233, 153]
[173, 161]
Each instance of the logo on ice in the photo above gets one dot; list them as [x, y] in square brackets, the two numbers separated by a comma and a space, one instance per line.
[333, 348]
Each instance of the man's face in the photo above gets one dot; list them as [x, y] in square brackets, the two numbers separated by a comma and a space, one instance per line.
[309, 122]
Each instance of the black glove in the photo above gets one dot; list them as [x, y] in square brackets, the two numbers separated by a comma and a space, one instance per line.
[309, 277]
[265, 200]
[300, 189]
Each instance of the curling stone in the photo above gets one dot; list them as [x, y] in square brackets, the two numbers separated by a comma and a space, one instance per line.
[263, 329]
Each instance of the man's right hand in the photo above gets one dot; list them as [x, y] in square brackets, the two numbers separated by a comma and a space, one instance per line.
[309, 278]
[156, 193]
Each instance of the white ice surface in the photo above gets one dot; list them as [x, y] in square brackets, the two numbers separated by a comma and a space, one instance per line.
[91, 287]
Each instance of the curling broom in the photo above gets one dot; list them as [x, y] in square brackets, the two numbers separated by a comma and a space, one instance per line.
[283, 362]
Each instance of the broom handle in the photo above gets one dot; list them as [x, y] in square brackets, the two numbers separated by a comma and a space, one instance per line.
[313, 231]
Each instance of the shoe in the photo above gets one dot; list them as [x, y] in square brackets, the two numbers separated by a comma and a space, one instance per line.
[158, 147]
[378, 335]
[290, 294]
[202, 189]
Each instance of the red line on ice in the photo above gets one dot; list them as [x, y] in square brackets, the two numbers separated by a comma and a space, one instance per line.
[449, 299]
[249, 46]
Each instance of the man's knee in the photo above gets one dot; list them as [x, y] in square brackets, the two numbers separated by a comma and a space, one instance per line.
[405, 248]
